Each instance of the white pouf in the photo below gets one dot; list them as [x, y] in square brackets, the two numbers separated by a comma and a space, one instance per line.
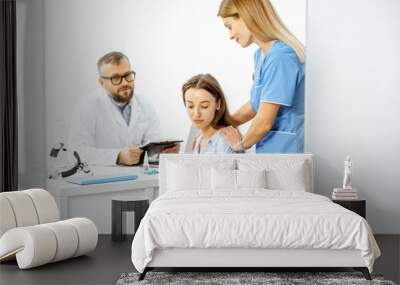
[31, 233]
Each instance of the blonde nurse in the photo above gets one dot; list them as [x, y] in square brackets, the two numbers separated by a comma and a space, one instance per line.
[276, 103]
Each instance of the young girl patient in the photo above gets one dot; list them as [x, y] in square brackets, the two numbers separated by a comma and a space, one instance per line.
[206, 106]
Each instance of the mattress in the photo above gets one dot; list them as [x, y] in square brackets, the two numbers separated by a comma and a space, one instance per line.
[251, 219]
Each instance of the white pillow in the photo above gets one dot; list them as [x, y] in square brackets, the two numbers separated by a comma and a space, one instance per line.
[182, 177]
[251, 178]
[223, 179]
[290, 178]
[282, 174]
[192, 175]
[227, 179]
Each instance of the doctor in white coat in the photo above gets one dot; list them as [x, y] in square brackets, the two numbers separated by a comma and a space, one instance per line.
[108, 127]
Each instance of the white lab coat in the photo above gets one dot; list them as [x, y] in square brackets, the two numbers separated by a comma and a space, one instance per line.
[99, 132]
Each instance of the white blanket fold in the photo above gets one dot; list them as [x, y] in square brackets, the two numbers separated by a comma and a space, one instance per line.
[252, 218]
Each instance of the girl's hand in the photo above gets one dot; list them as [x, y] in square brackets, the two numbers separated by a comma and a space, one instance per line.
[233, 137]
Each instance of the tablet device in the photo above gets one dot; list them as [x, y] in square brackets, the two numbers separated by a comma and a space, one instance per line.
[154, 149]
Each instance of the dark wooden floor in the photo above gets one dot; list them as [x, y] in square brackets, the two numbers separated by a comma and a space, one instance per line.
[110, 260]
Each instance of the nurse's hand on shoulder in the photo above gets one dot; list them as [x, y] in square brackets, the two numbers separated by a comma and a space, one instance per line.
[233, 137]
[129, 155]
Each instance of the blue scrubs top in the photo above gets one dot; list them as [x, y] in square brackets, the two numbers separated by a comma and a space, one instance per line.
[279, 79]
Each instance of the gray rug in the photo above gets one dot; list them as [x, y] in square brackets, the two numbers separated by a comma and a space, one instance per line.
[270, 278]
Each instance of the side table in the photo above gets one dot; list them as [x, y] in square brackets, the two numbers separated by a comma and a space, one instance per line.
[125, 204]
[357, 206]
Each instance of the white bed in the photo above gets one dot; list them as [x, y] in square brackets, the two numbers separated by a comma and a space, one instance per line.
[214, 211]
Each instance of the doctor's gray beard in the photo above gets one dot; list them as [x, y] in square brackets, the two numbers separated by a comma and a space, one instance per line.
[122, 99]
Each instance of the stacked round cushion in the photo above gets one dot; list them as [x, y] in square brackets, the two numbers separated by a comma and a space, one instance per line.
[31, 232]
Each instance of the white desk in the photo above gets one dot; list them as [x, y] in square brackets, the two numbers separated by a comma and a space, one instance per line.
[94, 201]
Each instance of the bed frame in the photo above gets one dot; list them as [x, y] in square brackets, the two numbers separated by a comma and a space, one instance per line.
[238, 259]
[246, 259]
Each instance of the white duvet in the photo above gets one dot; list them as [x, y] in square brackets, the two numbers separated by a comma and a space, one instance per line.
[250, 219]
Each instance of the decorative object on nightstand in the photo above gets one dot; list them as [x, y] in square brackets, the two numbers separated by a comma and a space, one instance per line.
[346, 192]
[123, 204]
[357, 206]
[348, 165]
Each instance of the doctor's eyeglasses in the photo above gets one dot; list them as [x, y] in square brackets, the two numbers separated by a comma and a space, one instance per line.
[117, 79]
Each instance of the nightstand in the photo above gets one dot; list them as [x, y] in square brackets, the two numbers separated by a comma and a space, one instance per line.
[357, 206]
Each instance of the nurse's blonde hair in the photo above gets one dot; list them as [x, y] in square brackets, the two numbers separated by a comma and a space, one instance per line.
[263, 22]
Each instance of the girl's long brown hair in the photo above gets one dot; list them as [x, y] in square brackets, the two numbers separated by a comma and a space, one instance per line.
[207, 82]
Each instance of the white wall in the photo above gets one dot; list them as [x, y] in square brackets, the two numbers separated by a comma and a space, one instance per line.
[353, 101]
[167, 42]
